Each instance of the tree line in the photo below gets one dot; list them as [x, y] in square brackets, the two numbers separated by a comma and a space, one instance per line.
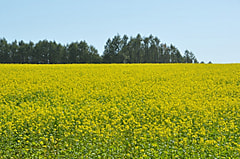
[116, 50]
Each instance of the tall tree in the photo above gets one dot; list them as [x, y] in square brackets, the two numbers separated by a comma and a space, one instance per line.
[62, 53]
[154, 50]
[135, 49]
[112, 48]
[14, 53]
[4, 51]
[146, 46]
[72, 51]
[189, 57]
[83, 55]
[166, 54]
[94, 56]
[53, 55]
[22, 52]
[175, 55]
[123, 54]
[41, 54]
[30, 52]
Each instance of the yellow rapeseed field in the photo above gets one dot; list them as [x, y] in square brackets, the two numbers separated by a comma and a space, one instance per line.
[120, 111]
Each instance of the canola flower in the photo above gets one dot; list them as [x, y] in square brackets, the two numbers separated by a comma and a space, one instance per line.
[120, 111]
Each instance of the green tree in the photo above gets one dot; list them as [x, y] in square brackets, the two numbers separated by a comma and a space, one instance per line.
[112, 49]
[136, 49]
[62, 53]
[53, 54]
[146, 46]
[4, 51]
[30, 52]
[165, 54]
[41, 52]
[189, 57]
[72, 51]
[14, 53]
[94, 56]
[175, 55]
[123, 54]
[22, 52]
[154, 50]
[83, 55]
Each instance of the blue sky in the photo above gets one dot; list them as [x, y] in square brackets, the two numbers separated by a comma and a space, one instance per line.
[208, 28]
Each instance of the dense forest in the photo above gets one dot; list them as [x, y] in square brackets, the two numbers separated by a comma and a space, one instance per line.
[116, 50]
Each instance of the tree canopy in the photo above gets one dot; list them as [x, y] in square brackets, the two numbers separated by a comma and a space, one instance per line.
[116, 50]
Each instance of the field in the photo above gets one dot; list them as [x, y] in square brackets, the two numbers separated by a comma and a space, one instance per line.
[120, 111]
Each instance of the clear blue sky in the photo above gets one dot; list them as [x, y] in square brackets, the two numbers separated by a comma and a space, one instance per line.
[208, 28]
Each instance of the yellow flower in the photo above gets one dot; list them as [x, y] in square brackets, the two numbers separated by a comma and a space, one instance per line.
[118, 108]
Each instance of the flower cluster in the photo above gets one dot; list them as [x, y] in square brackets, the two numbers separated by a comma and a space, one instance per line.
[120, 111]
